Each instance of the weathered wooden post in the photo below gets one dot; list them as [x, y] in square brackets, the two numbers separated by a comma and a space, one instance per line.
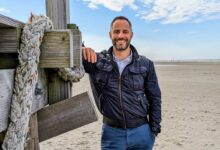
[72, 112]
[58, 12]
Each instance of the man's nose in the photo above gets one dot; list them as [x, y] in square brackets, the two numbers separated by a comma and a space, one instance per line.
[121, 34]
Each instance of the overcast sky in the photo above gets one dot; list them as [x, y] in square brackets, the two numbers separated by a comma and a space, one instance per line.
[163, 29]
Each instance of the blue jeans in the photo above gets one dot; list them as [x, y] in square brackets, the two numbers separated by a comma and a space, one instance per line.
[140, 138]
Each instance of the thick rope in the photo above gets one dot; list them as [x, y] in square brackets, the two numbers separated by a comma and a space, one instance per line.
[25, 82]
[71, 74]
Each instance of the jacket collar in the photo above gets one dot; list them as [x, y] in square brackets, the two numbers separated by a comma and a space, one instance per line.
[135, 54]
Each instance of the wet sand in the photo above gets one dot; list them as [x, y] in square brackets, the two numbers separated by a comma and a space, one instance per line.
[190, 111]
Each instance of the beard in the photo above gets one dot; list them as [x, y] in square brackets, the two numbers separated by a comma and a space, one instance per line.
[121, 46]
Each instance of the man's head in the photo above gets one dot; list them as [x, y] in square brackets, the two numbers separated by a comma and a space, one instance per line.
[121, 33]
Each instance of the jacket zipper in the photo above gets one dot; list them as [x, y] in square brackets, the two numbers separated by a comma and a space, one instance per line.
[122, 109]
[120, 94]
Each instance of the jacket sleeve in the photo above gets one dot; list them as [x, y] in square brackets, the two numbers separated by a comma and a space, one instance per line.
[154, 96]
[89, 67]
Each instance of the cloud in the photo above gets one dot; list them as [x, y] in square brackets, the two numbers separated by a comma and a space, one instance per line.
[3, 10]
[179, 11]
[165, 11]
[114, 5]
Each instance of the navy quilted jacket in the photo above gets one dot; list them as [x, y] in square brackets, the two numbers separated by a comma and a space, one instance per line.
[133, 94]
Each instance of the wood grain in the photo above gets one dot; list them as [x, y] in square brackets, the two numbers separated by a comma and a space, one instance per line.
[65, 116]
[6, 90]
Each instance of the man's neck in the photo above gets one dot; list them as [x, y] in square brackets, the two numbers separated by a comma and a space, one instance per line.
[122, 54]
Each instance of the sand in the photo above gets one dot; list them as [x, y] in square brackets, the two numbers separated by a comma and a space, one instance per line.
[190, 111]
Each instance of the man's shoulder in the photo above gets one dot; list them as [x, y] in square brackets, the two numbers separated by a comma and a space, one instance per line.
[104, 61]
[144, 59]
[103, 54]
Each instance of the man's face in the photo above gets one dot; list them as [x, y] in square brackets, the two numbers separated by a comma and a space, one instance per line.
[121, 35]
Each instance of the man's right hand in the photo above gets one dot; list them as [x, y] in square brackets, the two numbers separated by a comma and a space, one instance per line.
[89, 54]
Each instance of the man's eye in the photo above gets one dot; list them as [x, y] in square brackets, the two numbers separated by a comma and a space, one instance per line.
[125, 31]
[116, 31]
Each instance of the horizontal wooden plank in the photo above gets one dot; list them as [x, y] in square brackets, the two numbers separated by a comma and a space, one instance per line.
[65, 115]
[56, 44]
[9, 22]
[59, 48]
[9, 40]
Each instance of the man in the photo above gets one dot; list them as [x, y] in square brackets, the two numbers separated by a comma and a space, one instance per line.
[127, 91]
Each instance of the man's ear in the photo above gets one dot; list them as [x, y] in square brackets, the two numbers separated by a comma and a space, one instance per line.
[110, 35]
[131, 35]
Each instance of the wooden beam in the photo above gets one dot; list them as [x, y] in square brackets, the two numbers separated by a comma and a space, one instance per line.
[56, 49]
[77, 44]
[33, 142]
[65, 116]
[9, 40]
[9, 22]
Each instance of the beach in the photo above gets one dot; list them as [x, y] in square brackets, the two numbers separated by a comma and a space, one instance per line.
[190, 111]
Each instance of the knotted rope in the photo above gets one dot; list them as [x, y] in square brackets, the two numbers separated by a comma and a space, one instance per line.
[26, 79]
[71, 74]
[25, 82]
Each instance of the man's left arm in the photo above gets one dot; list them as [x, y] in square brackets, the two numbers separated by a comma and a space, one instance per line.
[154, 97]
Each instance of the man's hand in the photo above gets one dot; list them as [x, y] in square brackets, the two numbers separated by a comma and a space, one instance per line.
[89, 54]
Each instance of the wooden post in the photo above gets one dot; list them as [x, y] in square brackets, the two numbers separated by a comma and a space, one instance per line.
[57, 88]
[58, 12]
[33, 142]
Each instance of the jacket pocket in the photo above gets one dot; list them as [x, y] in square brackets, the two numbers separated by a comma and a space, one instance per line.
[144, 103]
[137, 77]
[101, 79]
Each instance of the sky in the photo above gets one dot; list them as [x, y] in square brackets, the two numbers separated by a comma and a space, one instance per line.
[163, 29]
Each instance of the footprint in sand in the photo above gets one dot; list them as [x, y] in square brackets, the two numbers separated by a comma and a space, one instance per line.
[179, 144]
